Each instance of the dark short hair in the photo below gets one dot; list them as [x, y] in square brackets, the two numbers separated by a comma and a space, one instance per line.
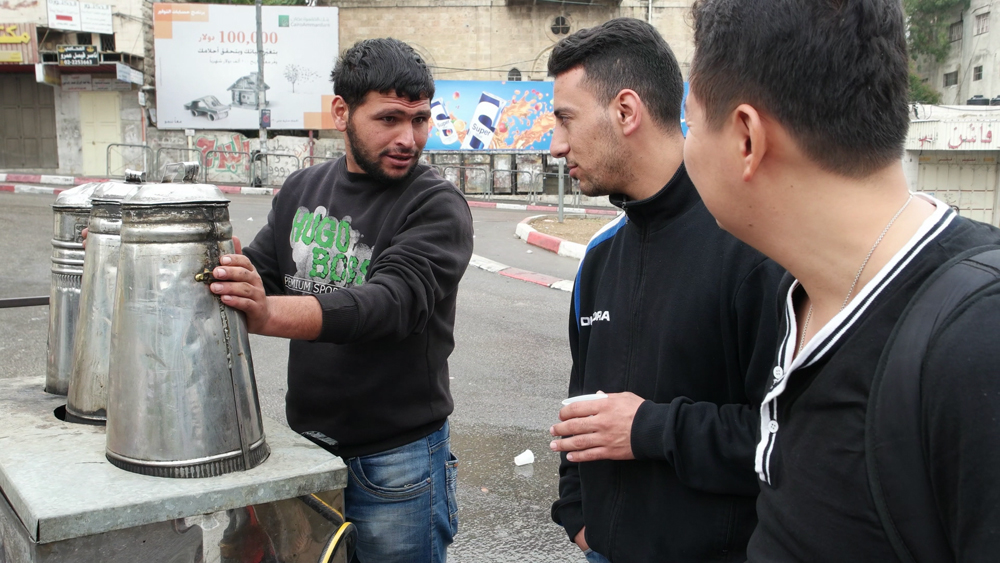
[384, 66]
[833, 72]
[625, 53]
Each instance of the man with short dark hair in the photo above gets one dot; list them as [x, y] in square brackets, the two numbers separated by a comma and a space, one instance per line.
[359, 265]
[797, 119]
[670, 316]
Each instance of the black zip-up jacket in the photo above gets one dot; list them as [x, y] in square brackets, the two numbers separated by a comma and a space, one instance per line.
[672, 308]
[384, 261]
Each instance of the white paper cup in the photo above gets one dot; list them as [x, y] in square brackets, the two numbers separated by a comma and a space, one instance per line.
[591, 397]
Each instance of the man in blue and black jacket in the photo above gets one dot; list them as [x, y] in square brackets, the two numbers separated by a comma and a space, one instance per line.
[671, 316]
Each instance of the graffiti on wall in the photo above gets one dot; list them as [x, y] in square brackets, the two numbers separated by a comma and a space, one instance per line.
[226, 156]
[231, 160]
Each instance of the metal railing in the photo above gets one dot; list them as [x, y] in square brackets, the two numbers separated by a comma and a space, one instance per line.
[121, 157]
[462, 175]
[313, 159]
[184, 155]
[512, 177]
[572, 186]
[227, 165]
[272, 168]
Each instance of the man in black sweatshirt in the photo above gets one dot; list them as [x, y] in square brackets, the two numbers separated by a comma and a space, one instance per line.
[359, 265]
[670, 315]
[798, 118]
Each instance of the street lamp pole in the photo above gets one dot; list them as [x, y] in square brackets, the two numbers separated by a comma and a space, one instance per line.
[261, 94]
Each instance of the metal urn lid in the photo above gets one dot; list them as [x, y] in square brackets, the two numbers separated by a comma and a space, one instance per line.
[176, 194]
[76, 198]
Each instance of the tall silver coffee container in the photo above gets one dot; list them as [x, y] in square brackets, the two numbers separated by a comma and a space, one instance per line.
[183, 399]
[71, 214]
[88, 385]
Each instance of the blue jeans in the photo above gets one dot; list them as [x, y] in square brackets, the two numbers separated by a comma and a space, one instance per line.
[403, 501]
[594, 557]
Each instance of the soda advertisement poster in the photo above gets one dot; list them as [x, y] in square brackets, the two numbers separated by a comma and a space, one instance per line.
[491, 116]
[206, 66]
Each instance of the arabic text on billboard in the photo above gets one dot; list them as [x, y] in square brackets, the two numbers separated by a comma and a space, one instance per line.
[206, 66]
[498, 116]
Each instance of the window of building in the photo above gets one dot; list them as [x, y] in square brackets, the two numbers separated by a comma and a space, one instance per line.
[108, 43]
[977, 73]
[982, 23]
[560, 26]
[951, 78]
[514, 75]
[955, 31]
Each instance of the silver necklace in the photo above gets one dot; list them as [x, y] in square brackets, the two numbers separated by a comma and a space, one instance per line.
[805, 326]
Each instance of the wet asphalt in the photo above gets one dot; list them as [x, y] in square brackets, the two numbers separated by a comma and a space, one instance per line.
[509, 371]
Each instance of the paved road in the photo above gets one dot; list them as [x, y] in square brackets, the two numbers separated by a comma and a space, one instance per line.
[509, 370]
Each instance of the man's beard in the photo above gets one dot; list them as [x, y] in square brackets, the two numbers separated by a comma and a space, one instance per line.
[613, 174]
[371, 163]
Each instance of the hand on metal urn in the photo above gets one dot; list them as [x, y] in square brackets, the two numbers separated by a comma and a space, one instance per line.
[600, 429]
[239, 285]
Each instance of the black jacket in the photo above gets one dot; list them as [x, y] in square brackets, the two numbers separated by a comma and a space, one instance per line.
[816, 503]
[672, 308]
[384, 261]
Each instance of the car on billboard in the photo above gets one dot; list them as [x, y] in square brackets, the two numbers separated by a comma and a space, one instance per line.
[208, 106]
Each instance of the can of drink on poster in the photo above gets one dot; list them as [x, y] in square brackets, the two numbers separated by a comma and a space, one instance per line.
[483, 122]
[445, 127]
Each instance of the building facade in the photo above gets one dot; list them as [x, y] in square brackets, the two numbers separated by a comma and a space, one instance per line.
[971, 67]
[952, 152]
[69, 73]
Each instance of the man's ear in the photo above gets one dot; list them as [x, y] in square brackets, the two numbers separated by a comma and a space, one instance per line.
[341, 113]
[627, 111]
[751, 135]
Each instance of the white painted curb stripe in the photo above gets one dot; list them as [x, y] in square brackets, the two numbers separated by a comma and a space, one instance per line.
[496, 267]
[486, 264]
[572, 249]
[58, 180]
[514, 206]
[26, 189]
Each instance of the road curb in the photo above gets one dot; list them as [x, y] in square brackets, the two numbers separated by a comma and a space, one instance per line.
[27, 189]
[48, 179]
[547, 208]
[562, 247]
[495, 267]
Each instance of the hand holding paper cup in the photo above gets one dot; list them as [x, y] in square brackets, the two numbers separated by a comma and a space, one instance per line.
[591, 397]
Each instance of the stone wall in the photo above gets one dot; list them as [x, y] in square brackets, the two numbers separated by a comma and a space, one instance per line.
[481, 40]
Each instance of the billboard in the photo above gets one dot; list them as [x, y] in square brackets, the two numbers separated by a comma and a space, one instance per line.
[483, 115]
[71, 15]
[206, 66]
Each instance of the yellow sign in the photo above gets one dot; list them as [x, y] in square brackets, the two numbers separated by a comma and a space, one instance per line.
[11, 57]
[10, 35]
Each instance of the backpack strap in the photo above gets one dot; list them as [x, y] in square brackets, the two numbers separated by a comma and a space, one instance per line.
[898, 474]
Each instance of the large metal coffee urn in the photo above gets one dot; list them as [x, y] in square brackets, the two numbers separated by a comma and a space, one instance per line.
[183, 399]
[88, 386]
[71, 213]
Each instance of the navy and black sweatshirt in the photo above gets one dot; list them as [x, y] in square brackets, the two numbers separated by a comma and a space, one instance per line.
[384, 261]
[672, 308]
